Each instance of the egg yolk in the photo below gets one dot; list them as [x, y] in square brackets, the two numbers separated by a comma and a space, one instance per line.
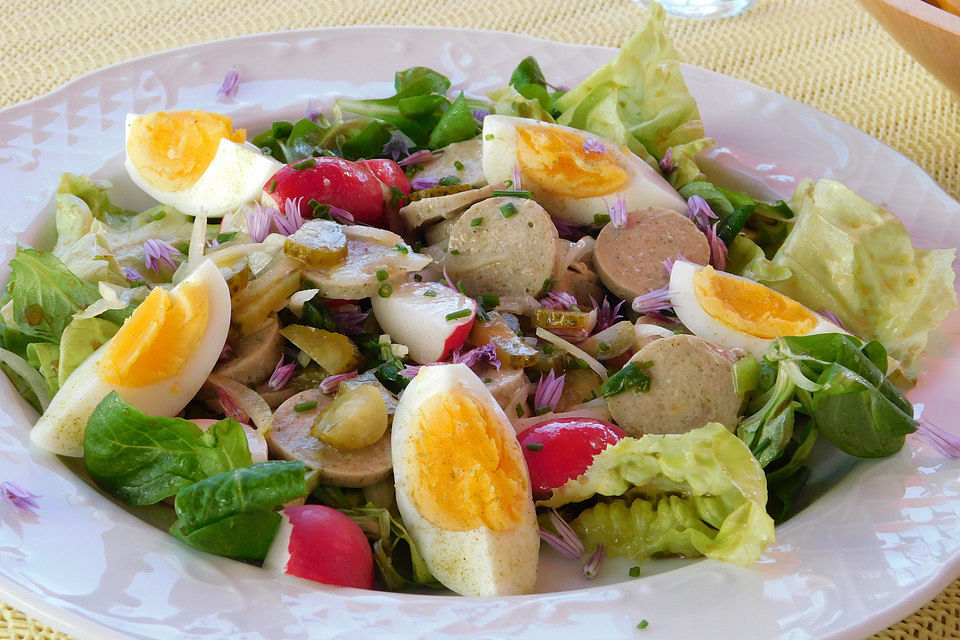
[463, 476]
[172, 149]
[750, 307]
[556, 161]
[157, 339]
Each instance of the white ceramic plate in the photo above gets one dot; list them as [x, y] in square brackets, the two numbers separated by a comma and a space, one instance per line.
[873, 548]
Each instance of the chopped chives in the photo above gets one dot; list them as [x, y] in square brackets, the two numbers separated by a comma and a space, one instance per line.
[634, 572]
[462, 289]
[430, 293]
[300, 407]
[519, 410]
[604, 346]
[476, 222]
[508, 183]
[463, 313]
[272, 187]
[542, 410]
[418, 277]
[183, 247]
[547, 348]
[385, 290]
[643, 624]
[304, 164]
[449, 181]
[487, 380]
[601, 218]
[382, 275]
[160, 215]
[454, 252]
[518, 193]
[548, 284]
[226, 237]
[458, 165]
[489, 300]
[534, 446]
[508, 209]
[489, 136]
[402, 249]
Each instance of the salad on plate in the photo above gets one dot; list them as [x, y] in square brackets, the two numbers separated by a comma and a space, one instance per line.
[400, 343]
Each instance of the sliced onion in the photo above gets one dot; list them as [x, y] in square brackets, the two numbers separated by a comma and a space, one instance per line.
[30, 375]
[521, 305]
[563, 345]
[248, 400]
[573, 252]
[198, 240]
[596, 409]
[113, 297]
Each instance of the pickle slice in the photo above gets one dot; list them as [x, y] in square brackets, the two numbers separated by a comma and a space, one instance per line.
[559, 319]
[355, 419]
[335, 352]
[318, 243]
[512, 351]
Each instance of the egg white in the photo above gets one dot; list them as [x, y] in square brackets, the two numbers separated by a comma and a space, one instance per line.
[60, 429]
[236, 175]
[477, 562]
[644, 187]
[691, 314]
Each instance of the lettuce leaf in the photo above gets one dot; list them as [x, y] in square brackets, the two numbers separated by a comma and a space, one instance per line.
[698, 493]
[850, 256]
[80, 339]
[640, 99]
[509, 102]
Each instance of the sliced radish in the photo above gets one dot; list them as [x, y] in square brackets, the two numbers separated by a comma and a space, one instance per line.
[255, 441]
[334, 181]
[389, 173]
[321, 544]
[427, 317]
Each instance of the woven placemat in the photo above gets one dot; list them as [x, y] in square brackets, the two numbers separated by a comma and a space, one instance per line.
[827, 53]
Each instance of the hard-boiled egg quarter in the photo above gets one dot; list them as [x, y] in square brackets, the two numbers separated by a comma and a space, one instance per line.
[157, 361]
[736, 312]
[574, 175]
[194, 161]
[462, 485]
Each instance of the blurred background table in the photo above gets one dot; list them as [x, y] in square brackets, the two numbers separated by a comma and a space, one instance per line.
[828, 53]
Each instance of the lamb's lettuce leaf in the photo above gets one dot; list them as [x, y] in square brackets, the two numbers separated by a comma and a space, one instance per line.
[699, 493]
[233, 513]
[641, 100]
[845, 254]
[143, 459]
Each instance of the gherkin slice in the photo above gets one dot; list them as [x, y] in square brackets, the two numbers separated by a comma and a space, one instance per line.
[318, 243]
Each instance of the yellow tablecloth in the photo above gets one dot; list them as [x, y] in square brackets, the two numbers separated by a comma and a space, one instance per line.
[827, 53]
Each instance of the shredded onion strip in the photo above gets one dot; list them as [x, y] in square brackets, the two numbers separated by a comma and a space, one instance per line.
[30, 375]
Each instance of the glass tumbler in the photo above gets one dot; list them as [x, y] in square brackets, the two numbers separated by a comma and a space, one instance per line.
[703, 8]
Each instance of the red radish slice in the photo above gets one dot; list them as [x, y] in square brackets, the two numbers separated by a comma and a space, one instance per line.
[334, 181]
[561, 449]
[428, 318]
[389, 173]
[319, 543]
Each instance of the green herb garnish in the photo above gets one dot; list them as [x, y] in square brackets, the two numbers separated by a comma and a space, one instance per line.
[382, 275]
[476, 222]
[449, 181]
[633, 376]
[518, 193]
[385, 290]
[508, 209]
[304, 164]
[300, 407]
[458, 165]
[534, 446]
[463, 313]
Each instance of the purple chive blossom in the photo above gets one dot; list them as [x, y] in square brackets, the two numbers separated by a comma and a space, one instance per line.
[592, 145]
[832, 317]
[396, 147]
[947, 443]
[410, 371]
[340, 215]
[420, 157]
[549, 390]
[229, 86]
[19, 498]
[258, 221]
[419, 184]
[480, 114]
[559, 300]
[565, 540]
[157, 252]
[718, 249]
[330, 383]
[230, 407]
[669, 262]
[132, 275]
[592, 567]
[617, 212]
[656, 300]
[607, 316]
[311, 113]
[569, 230]
[487, 352]
[281, 375]
[667, 165]
[516, 184]
[700, 212]
[348, 318]
[290, 220]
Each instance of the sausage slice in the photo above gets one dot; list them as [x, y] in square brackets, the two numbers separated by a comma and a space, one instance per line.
[289, 438]
[629, 260]
[257, 355]
[691, 385]
[503, 246]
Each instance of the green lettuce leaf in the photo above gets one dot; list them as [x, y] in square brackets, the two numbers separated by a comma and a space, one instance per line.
[640, 99]
[233, 513]
[509, 102]
[45, 358]
[699, 493]
[143, 459]
[80, 339]
[850, 256]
